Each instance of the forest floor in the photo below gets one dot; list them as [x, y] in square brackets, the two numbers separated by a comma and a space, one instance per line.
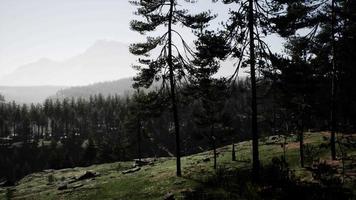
[157, 180]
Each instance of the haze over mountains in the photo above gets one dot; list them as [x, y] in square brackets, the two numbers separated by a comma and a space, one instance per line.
[28, 94]
[37, 94]
[103, 61]
[105, 68]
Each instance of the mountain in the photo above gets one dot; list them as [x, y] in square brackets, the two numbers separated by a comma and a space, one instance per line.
[103, 61]
[29, 94]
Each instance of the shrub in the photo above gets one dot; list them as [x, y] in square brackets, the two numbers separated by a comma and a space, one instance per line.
[326, 175]
[51, 179]
[311, 154]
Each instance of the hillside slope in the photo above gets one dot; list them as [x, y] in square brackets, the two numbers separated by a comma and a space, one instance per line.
[119, 87]
[158, 180]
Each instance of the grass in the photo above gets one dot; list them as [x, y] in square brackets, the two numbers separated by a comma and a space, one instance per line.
[153, 181]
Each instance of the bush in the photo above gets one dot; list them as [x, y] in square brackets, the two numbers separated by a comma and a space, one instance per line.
[311, 154]
[326, 175]
[9, 193]
[51, 179]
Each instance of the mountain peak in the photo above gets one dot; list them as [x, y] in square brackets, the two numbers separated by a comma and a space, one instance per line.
[105, 60]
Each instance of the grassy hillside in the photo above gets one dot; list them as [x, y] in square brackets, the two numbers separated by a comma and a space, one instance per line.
[157, 180]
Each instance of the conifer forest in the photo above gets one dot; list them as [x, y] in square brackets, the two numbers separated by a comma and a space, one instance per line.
[281, 124]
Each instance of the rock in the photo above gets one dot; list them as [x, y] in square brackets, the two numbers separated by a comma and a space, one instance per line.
[76, 186]
[87, 175]
[139, 163]
[187, 193]
[71, 180]
[169, 196]
[62, 186]
[7, 183]
[274, 138]
[178, 182]
[143, 162]
[135, 169]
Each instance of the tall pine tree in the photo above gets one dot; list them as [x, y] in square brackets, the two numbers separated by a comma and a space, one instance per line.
[170, 64]
[245, 29]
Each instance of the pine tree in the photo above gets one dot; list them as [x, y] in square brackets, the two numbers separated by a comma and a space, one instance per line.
[245, 29]
[211, 115]
[326, 21]
[211, 92]
[333, 83]
[170, 65]
[297, 86]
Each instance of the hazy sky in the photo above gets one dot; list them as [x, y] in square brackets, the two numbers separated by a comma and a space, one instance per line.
[59, 29]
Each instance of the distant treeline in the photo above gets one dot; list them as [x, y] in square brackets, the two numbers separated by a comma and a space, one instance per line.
[83, 131]
[120, 87]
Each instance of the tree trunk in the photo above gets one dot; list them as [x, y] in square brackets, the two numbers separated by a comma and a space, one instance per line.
[213, 139]
[2, 133]
[233, 156]
[333, 86]
[38, 130]
[14, 128]
[255, 153]
[42, 135]
[301, 144]
[274, 108]
[123, 154]
[54, 131]
[107, 127]
[139, 155]
[284, 148]
[66, 128]
[214, 147]
[173, 92]
[2, 128]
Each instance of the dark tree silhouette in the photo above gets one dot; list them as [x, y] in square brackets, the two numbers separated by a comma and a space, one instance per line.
[333, 83]
[245, 30]
[170, 64]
